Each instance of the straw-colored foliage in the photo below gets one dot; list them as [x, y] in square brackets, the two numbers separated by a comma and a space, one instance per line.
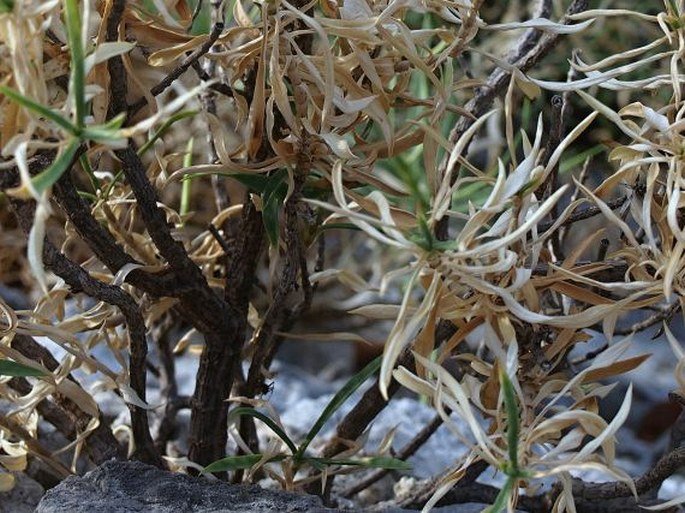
[329, 117]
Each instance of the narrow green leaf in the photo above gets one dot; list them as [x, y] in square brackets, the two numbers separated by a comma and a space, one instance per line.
[164, 127]
[85, 164]
[343, 394]
[72, 18]
[92, 198]
[108, 136]
[107, 133]
[673, 7]
[339, 226]
[513, 427]
[10, 368]
[502, 497]
[272, 201]
[237, 462]
[39, 109]
[116, 122]
[370, 462]
[187, 183]
[49, 176]
[423, 235]
[577, 160]
[251, 412]
[111, 184]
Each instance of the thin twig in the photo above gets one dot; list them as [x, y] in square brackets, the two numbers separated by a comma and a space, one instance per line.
[406, 452]
[584, 214]
[664, 315]
[180, 69]
[588, 497]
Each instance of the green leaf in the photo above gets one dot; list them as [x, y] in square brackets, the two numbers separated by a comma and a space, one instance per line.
[108, 132]
[423, 236]
[272, 200]
[116, 122]
[49, 176]
[513, 427]
[164, 127]
[577, 160]
[343, 394]
[237, 462]
[502, 497]
[10, 368]
[339, 226]
[251, 412]
[254, 182]
[370, 462]
[85, 164]
[72, 18]
[109, 136]
[6, 6]
[187, 183]
[39, 109]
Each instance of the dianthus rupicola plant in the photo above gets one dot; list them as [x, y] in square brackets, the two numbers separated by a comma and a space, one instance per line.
[491, 184]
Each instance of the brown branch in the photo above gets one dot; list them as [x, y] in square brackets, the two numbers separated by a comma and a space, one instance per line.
[279, 315]
[588, 497]
[168, 386]
[586, 213]
[526, 55]
[106, 248]
[221, 357]
[218, 87]
[181, 68]
[10, 177]
[367, 409]
[406, 452]
[80, 281]
[67, 417]
[222, 325]
[551, 182]
[664, 315]
[212, 312]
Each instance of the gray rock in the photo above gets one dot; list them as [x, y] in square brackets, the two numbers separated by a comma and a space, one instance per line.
[133, 487]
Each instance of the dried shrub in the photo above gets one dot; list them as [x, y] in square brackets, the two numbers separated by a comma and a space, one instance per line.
[176, 168]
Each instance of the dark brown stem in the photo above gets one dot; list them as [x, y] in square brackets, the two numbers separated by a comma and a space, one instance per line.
[181, 68]
[221, 356]
[551, 183]
[265, 343]
[105, 247]
[80, 281]
[67, 417]
[222, 324]
[167, 383]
